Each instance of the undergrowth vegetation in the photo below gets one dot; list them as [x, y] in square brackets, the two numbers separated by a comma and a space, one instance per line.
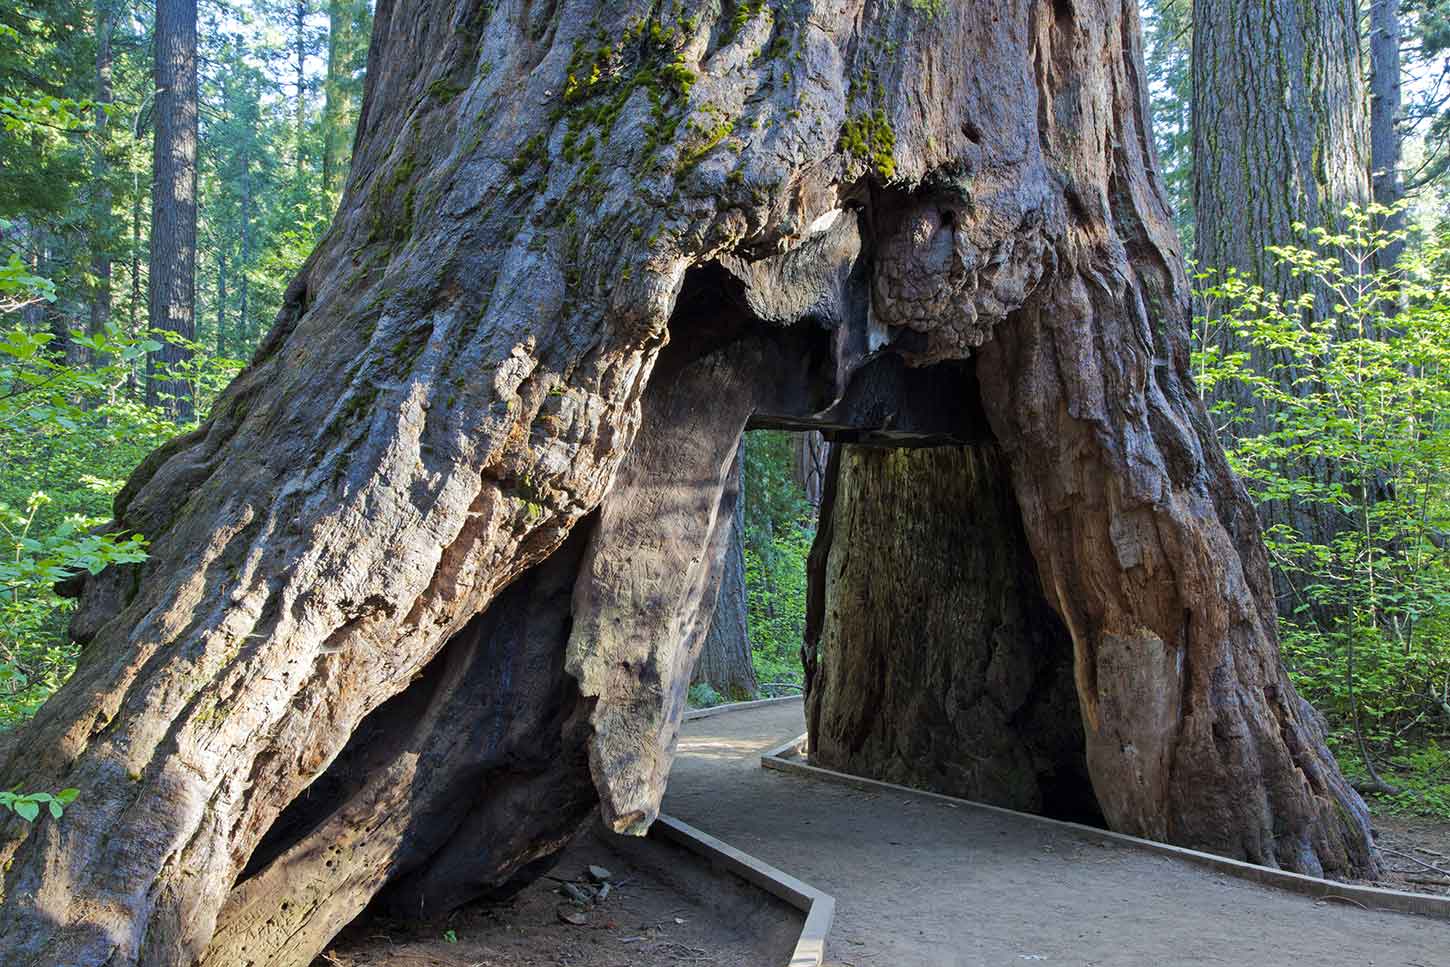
[779, 528]
[73, 425]
[1339, 424]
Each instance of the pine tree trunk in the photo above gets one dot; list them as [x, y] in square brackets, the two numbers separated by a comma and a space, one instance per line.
[1279, 127]
[172, 281]
[133, 327]
[102, 224]
[221, 304]
[299, 109]
[556, 291]
[345, 38]
[1280, 138]
[724, 662]
[244, 307]
[1384, 114]
[811, 451]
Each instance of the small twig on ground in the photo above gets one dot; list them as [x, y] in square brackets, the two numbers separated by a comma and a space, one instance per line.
[1414, 859]
[1376, 784]
[1342, 899]
[1427, 881]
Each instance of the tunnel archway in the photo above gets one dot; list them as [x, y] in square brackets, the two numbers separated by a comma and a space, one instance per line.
[938, 657]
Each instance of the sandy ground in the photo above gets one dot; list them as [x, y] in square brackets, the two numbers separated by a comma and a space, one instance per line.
[922, 883]
[665, 908]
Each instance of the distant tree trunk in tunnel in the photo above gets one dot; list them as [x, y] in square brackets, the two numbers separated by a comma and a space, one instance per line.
[938, 663]
[811, 452]
[581, 246]
[724, 662]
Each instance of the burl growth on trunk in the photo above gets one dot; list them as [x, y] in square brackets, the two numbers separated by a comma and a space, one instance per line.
[427, 588]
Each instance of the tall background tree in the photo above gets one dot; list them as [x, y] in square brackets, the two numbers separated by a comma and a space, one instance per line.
[1280, 141]
[1280, 129]
[172, 280]
[347, 45]
[103, 225]
[1386, 110]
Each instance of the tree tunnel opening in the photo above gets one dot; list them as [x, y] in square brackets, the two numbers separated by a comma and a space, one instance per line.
[752, 647]
[932, 658]
[929, 655]
[914, 610]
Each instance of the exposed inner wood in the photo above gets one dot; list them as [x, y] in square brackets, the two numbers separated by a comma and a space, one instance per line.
[940, 663]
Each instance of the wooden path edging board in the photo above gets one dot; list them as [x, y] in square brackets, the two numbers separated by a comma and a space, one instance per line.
[1317, 888]
[704, 713]
[819, 908]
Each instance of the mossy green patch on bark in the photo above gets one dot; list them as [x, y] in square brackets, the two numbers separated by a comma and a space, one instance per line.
[869, 139]
[443, 90]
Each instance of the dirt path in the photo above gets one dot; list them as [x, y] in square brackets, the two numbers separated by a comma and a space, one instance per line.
[922, 883]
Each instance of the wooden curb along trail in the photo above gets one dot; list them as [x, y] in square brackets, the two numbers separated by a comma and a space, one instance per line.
[819, 907]
[785, 758]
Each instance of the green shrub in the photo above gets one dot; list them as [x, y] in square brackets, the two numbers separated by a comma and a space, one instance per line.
[1349, 423]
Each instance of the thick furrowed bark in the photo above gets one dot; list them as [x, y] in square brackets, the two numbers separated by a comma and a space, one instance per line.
[1194, 733]
[458, 374]
[652, 571]
[1147, 544]
[941, 665]
[446, 783]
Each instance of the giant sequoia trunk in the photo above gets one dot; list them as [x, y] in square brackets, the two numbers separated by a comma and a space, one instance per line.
[429, 583]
